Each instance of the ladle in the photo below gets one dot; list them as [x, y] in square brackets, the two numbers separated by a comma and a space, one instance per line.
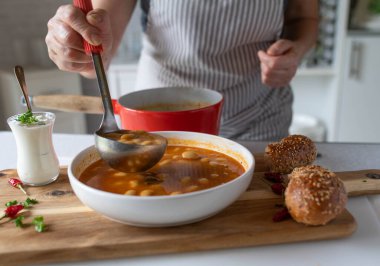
[121, 156]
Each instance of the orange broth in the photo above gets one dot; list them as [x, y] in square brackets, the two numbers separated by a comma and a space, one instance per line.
[182, 169]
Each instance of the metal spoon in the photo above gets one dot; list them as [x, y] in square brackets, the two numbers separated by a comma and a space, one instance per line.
[121, 156]
[19, 72]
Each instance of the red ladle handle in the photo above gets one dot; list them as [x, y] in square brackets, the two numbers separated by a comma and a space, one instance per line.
[86, 6]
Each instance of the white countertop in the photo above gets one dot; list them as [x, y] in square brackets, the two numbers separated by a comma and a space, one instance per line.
[362, 248]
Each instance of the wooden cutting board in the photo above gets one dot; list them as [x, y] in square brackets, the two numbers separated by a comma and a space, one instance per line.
[77, 233]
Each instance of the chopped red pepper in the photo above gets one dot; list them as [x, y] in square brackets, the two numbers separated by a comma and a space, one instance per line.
[281, 215]
[12, 211]
[14, 182]
[274, 177]
[278, 188]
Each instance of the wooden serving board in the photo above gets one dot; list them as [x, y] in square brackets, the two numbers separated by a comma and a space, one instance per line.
[77, 233]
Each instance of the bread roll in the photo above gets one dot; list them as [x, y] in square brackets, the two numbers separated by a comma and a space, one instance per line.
[291, 152]
[314, 195]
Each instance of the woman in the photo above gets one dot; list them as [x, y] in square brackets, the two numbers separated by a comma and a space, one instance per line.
[248, 50]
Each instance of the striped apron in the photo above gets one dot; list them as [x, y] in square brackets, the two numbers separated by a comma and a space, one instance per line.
[213, 44]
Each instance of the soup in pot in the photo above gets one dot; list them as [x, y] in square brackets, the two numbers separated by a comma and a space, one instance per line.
[182, 169]
[169, 107]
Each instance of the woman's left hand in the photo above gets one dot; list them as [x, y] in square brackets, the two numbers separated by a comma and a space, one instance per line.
[279, 63]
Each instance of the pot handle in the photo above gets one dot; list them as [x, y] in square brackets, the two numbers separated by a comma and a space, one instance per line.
[69, 103]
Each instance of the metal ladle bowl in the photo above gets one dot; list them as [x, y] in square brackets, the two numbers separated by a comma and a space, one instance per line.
[128, 157]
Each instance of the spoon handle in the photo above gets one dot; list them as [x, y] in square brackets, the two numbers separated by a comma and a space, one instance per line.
[109, 121]
[19, 72]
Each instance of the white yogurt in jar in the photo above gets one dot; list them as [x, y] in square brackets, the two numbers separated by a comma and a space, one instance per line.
[37, 162]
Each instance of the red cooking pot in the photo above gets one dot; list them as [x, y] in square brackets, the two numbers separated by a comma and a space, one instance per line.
[160, 109]
[171, 109]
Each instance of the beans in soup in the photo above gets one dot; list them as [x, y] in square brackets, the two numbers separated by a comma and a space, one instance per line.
[182, 169]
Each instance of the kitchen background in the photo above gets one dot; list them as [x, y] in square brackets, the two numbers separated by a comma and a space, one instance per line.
[336, 89]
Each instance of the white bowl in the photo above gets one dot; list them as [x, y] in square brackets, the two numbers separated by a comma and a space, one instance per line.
[160, 211]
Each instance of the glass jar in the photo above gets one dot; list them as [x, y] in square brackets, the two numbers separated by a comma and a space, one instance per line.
[37, 162]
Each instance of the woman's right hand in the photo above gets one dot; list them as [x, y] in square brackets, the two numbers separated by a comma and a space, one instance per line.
[64, 38]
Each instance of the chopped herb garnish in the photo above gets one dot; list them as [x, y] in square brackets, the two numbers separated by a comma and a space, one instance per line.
[10, 203]
[29, 202]
[39, 224]
[18, 221]
[13, 212]
[28, 118]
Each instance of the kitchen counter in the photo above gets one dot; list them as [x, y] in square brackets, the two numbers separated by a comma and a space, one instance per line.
[360, 248]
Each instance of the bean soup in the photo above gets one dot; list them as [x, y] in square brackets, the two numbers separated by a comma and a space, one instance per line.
[182, 169]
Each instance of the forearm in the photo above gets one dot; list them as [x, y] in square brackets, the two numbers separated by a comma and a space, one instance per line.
[120, 12]
[301, 24]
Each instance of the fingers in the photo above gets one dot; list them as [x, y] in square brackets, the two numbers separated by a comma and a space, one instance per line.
[65, 44]
[280, 47]
[75, 19]
[278, 70]
[278, 62]
[66, 31]
[100, 19]
[276, 78]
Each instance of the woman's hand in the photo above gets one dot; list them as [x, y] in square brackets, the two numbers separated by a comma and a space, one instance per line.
[279, 63]
[64, 38]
